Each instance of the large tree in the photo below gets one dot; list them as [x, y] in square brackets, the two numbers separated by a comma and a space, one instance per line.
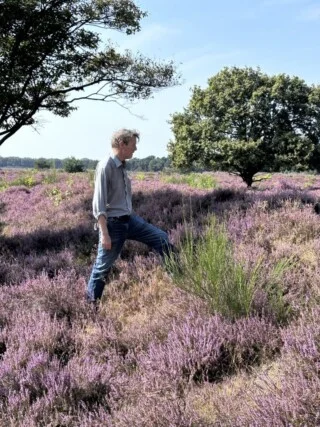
[51, 55]
[246, 121]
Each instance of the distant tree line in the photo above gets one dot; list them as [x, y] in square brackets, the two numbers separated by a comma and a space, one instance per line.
[150, 163]
[41, 163]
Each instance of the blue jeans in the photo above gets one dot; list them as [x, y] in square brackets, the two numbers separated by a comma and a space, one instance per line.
[135, 228]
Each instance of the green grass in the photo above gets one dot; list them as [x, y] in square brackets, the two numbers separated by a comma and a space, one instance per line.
[207, 268]
[26, 179]
[140, 176]
[203, 181]
[51, 177]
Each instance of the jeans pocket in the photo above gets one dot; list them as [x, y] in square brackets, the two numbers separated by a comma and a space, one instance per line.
[113, 220]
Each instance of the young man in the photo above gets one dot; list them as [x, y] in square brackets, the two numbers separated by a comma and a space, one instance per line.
[112, 207]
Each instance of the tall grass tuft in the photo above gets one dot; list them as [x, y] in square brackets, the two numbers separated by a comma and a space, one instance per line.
[207, 268]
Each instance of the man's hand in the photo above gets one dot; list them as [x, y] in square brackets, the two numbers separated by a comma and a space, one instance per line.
[105, 241]
[105, 238]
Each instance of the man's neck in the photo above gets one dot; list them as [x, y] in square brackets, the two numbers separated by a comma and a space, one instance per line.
[116, 153]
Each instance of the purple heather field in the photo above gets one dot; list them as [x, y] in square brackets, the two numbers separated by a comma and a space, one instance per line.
[155, 353]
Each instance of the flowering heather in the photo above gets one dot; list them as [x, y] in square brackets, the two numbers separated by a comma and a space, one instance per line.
[154, 354]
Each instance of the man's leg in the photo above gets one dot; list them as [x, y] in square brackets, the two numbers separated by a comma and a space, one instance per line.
[105, 259]
[152, 236]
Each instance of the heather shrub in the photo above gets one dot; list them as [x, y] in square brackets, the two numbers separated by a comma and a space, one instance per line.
[39, 332]
[91, 381]
[224, 194]
[228, 352]
[61, 297]
[36, 393]
[288, 195]
[158, 411]
[46, 392]
[206, 349]
[292, 398]
[100, 340]
[45, 252]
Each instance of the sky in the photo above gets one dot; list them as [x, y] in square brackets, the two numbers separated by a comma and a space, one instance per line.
[201, 37]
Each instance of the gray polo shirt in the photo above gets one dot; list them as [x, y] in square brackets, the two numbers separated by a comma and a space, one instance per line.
[112, 189]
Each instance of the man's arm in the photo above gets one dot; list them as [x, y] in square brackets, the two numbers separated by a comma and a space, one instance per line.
[99, 204]
[105, 238]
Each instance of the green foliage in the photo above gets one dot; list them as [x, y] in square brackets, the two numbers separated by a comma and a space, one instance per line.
[57, 195]
[42, 164]
[51, 177]
[51, 51]
[196, 180]
[140, 176]
[3, 184]
[25, 179]
[148, 164]
[72, 165]
[272, 122]
[246, 158]
[207, 268]
[28, 180]
[293, 153]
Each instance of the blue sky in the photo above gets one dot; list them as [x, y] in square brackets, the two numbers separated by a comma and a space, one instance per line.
[202, 37]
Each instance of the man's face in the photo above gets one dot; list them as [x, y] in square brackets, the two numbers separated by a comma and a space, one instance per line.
[127, 151]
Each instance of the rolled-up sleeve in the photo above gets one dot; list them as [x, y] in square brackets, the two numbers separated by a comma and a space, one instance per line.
[100, 200]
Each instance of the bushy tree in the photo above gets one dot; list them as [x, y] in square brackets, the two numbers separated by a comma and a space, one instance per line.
[72, 164]
[246, 121]
[51, 55]
[42, 163]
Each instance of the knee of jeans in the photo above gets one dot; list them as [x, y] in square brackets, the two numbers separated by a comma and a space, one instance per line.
[101, 266]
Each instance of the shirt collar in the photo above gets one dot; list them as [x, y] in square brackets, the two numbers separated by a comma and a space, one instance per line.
[117, 161]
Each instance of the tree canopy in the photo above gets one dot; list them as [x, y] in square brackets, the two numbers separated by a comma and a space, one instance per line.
[246, 121]
[51, 55]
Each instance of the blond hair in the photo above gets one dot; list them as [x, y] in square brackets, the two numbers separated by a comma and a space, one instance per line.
[123, 135]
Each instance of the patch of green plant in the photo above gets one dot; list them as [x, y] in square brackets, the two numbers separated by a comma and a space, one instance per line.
[264, 176]
[206, 267]
[57, 196]
[73, 165]
[196, 180]
[51, 177]
[140, 176]
[27, 180]
[3, 184]
[91, 175]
